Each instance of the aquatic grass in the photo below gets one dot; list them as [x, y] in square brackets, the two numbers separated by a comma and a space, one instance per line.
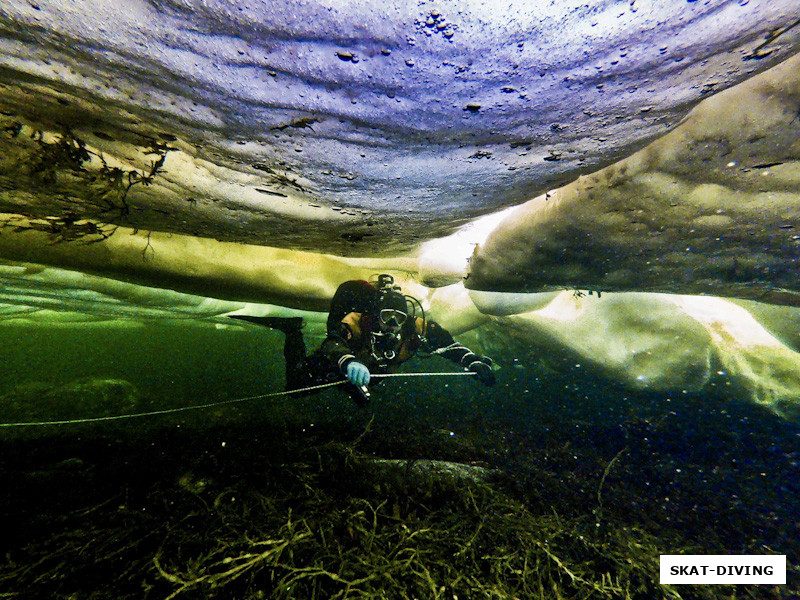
[326, 521]
[274, 508]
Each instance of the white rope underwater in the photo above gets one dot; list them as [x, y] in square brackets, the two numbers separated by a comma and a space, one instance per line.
[167, 411]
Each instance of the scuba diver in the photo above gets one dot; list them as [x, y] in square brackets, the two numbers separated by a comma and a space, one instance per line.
[371, 328]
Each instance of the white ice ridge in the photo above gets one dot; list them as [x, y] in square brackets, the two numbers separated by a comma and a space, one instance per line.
[658, 342]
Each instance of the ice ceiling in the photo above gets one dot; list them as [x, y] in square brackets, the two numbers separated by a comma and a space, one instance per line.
[264, 151]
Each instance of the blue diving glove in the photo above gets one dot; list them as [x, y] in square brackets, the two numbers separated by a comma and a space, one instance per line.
[357, 373]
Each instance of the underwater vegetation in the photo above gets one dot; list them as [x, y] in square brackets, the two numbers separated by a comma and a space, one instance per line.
[313, 499]
[59, 168]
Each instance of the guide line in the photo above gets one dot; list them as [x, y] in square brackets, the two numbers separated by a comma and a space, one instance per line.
[167, 411]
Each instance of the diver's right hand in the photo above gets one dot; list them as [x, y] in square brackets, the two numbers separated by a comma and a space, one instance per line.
[357, 373]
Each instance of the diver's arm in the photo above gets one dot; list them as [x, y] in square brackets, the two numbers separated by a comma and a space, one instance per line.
[439, 341]
[338, 349]
[338, 346]
[337, 352]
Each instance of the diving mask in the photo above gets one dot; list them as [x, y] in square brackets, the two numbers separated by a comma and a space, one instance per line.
[391, 317]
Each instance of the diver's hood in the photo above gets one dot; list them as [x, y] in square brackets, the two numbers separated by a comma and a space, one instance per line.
[394, 300]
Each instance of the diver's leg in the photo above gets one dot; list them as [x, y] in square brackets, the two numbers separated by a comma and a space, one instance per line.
[294, 351]
[294, 348]
[282, 323]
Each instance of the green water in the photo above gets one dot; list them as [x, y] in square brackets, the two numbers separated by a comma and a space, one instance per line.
[166, 360]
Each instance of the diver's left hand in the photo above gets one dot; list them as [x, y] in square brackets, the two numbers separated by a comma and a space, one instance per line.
[482, 367]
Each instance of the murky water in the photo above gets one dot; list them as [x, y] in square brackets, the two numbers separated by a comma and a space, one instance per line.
[161, 505]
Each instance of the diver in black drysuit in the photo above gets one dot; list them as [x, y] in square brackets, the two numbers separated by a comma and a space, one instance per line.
[370, 329]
